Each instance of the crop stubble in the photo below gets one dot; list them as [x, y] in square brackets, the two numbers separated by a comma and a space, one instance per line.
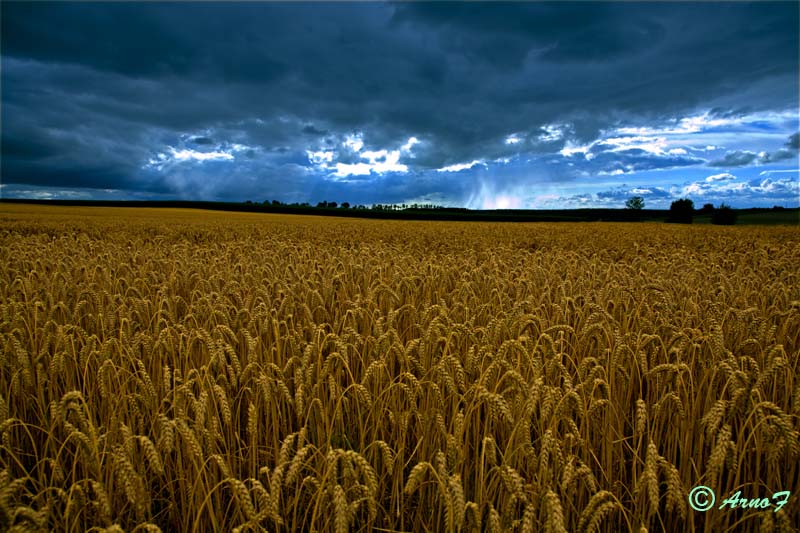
[194, 371]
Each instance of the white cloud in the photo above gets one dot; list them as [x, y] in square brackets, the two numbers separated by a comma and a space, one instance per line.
[651, 145]
[571, 149]
[186, 155]
[41, 195]
[513, 139]
[321, 158]
[731, 187]
[641, 191]
[768, 172]
[724, 186]
[697, 134]
[703, 132]
[458, 167]
[691, 124]
[380, 161]
[769, 185]
[615, 172]
[373, 155]
[409, 144]
[694, 188]
[354, 169]
[355, 142]
[552, 132]
[700, 122]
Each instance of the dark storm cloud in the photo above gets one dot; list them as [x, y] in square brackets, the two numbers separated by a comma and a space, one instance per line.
[741, 158]
[156, 40]
[780, 155]
[568, 32]
[310, 129]
[632, 160]
[94, 91]
[735, 159]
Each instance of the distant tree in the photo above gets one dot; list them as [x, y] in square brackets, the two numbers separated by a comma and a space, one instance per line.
[276, 203]
[332, 205]
[681, 211]
[707, 209]
[322, 204]
[778, 208]
[635, 202]
[345, 205]
[724, 216]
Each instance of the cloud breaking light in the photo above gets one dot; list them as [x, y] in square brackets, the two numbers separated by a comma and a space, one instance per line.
[388, 102]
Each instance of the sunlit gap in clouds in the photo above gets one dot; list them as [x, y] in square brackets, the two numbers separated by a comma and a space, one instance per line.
[367, 161]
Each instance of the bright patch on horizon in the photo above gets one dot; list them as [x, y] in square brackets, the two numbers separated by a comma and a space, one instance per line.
[502, 202]
[488, 197]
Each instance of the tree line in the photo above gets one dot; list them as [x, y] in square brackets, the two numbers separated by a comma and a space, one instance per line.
[682, 211]
[347, 205]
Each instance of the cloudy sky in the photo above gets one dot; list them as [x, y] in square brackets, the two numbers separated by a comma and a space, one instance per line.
[483, 105]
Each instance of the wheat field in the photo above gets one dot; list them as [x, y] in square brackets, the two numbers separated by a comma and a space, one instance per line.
[182, 370]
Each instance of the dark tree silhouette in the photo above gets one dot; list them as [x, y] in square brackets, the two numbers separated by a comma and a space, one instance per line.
[681, 211]
[724, 216]
[635, 202]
